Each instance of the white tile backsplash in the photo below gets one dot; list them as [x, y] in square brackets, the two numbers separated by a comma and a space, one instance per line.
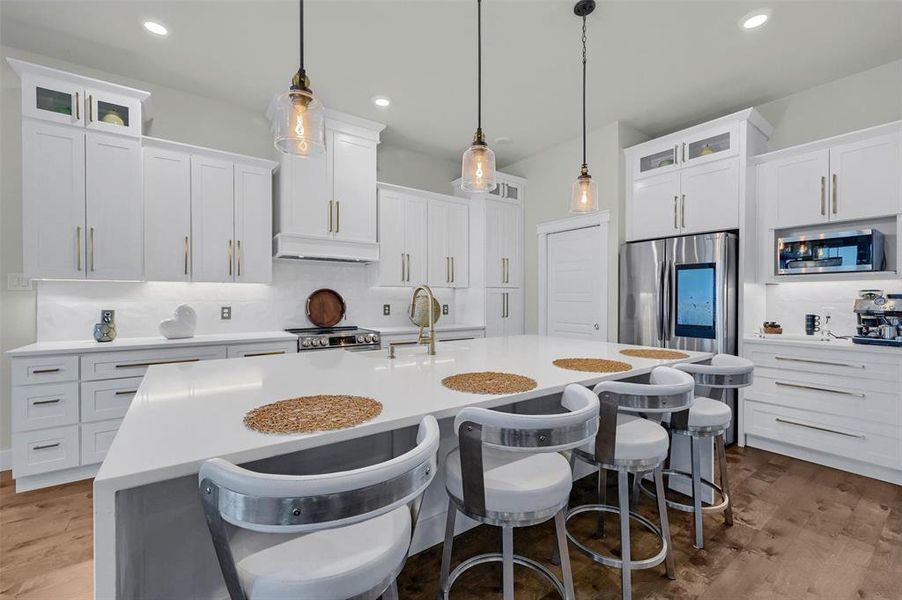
[67, 310]
[788, 303]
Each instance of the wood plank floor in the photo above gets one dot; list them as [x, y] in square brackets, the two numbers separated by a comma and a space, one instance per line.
[802, 531]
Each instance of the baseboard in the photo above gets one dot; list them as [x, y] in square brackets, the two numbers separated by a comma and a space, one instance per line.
[6, 459]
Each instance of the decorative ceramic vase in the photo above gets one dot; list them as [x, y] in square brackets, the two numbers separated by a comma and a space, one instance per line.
[105, 331]
[181, 324]
[706, 150]
[112, 118]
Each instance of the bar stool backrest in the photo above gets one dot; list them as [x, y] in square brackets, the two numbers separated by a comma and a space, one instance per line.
[669, 391]
[478, 427]
[725, 371]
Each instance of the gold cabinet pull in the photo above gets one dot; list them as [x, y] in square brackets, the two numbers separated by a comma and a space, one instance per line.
[447, 270]
[676, 153]
[91, 241]
[238, 256]
[683, 211]
[90, 108]
[823, 195]
[821, 362]
[452, 269]
[78, 247]
[408, 266]
[684, 152]
[815, 427]
[330, 216]
[186, 255]
[676, 222]
[337, 216]
[77, 107]
[819, 389]
[155, 362]
[402, 266]
[230, 257]
[835, 201]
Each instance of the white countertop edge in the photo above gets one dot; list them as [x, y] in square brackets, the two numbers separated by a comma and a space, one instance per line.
[403, 329]
[835, 344]
[148, 343]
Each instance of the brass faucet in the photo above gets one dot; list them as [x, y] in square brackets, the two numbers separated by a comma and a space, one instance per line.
[421, 320]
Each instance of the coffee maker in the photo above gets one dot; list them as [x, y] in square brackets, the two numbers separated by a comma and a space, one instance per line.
[879, 318]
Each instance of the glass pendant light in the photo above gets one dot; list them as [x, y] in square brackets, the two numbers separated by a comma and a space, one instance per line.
[298, 120]
[584, 195]
[477, 169]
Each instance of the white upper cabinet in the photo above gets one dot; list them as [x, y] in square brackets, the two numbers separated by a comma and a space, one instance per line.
[212, 219]
[253, 224]
[459, 244]
[326, 205]
[52, 99]
[448, 244]
[113, 113]
[167, 215]
[689, 182]
[503, 226]
[114, 215]
[403, 233]
[850, 177]
[53, 207]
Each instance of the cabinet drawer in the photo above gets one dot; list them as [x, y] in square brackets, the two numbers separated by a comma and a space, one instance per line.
[44, 369]
[109, 399]
[45, 450]
[832, 395]
[134, 363]
[46, 405]
[96, 439]
[838, 361]
[262, 349]
[850, 438]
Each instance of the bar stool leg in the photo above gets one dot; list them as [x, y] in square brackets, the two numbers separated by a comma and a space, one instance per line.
[719, 444]
[392, 592]
[602, 499]
[446, 548]
[664, 521]
[697, 490]
[507, 557]
[634, 496]
[623, 493]
[560, 526]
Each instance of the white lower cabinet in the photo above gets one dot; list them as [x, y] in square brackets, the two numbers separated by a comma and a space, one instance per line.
[504, 312]
[67, 408]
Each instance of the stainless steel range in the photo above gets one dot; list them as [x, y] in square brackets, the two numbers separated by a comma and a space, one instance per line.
[326, 338]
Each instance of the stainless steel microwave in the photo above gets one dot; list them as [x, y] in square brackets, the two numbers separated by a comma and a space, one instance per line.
[832, 252]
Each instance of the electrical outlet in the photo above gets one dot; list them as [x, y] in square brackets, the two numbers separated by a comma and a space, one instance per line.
[17, 282]
[225, 313]
[444, 309]
[386, 309]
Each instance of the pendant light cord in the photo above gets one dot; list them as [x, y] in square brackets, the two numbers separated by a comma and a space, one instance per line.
[479, 64]
[584, 91]
[301, 38]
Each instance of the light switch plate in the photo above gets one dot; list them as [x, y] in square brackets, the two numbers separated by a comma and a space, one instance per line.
[225, 313]
[386, 309]
[444, 309]
[17, 282]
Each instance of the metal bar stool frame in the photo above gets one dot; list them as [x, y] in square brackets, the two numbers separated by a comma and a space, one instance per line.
[473, 436]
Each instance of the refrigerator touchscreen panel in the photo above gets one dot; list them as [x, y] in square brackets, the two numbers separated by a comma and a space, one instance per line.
[696, 301]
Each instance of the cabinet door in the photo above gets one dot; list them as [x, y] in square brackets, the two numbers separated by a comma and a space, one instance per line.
[653, 210]
[459, 244]
[253, 224]
[416, 239]
[655, 158]
[167, 215]
[439, 255]
[52, 100]
[510, 239]
[795, 189]
[303, 198]
[212, 246]
[352, 171]
[53, 200]
[710, 197]
[392, 266]
[113, 113]
[710, 145]
[494, 312]
[494, 263]
[114, 212]
[866, 178]
[513, 320]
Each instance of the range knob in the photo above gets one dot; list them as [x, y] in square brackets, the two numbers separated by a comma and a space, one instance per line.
[369, 338]
[305, 343]
[323, 341]
[375, 338]
[361, 338]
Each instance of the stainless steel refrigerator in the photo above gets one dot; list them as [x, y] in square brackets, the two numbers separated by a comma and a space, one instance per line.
[681, 293]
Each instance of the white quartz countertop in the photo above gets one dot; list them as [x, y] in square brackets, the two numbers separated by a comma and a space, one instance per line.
[147, 343]
[804, 341]
[403, 329]
[184, 414]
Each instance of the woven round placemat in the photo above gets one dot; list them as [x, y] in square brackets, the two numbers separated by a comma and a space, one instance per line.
[653, 353]
[489, 382]
[307, 414]
[592, 365]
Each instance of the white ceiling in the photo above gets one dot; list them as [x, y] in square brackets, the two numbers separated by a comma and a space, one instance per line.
[655, 65]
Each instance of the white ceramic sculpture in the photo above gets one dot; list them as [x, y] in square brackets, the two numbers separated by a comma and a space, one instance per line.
[181, 324]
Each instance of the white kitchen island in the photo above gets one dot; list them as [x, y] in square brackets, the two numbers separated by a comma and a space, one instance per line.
[150, 537]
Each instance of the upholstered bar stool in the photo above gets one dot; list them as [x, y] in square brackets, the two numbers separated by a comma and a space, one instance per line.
[708, 417]
[508, 472]
[627, 443]
[331, 537]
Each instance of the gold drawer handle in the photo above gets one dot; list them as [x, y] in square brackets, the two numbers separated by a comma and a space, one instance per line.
[820, 362]
[159, 362]
[265, 353]
[815, 427]
[126, 392]
[46, 446]
[45, 371]
[818, 389]
[39, 402]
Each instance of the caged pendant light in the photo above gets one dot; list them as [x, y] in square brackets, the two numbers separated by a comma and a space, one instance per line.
[584, 195]
[298, 119]
[478, 165]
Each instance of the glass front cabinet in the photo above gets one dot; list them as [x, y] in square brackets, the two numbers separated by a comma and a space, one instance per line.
[73, 103]
[676, 152]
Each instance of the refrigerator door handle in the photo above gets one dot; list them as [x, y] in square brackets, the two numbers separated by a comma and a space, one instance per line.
[659, 320]
[667, 300]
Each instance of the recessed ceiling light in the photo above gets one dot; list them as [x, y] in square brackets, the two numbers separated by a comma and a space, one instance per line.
[155, 28]
[382, 101]
[754, 19]
[501, 140]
